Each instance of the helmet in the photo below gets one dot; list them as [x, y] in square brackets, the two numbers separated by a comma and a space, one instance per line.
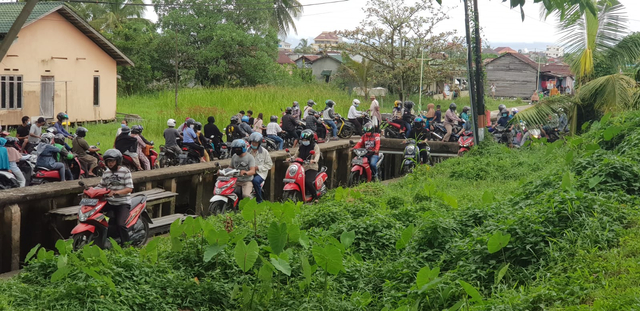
[367, 128]
[514, 110]
[465, 109]
[273, 119]
[52, 130]
[245, 119]
[356, 102]
[190, 121]
[11, 140]
[58, 139]
[81, 131]
[559, 110]
[316, 113]
[453, 106]
[307, 134]
[234, 119]
[289, 109]
[397, 103]
[504, 111]
[501, 107]
[239, 143]
[125, 130]
[113, 154]
[419, 120]
[330, 103]
[409, 104]
[211, 119]
[171, 122]
[255, 137]
[198, 126]
[136, 129]
[311, 112]
[46, 138]
[62, 116]
[295, 103]
[310, 103]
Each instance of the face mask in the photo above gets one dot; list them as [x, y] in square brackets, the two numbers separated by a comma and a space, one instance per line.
[254, 147]
[191, 126]
[306, 143]
[356, 105]
[122, 125]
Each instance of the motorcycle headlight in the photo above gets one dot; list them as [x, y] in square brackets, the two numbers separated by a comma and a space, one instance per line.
[84, 216]
[360, 152]
[217, 191]
[293, 169]
[465, 145]
[410, 150]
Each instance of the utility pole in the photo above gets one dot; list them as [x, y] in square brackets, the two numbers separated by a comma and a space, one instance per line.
[470, 74]
[421, 71]
[176, 68]
[15, 28]
[480, 108]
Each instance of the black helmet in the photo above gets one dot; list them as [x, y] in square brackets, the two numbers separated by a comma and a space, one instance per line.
[125, 130]
[136, 129]
[274, 119]
[289, 110]
[62, 116]
[330, 103]
[190, 121]
[453, 106]
[11, 141]
[501, 107]
[310, 103]
[466, 109]
[307, 134]
[59, 139]
[234, 120]
[81, 131]
[198, 126]
[113, 154]
[311, 112]
[409, 104]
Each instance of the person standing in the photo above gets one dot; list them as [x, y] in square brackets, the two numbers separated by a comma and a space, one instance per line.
[493, 91]
[438, 118]
[35, 132]
[263, 163]
[257, 123]
[353, 116]
[376, 117]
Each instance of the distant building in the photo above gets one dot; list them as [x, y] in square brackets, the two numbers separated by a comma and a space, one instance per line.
[283, 59]
[503, 49]
[489, 51]
[284, 46]
[554, 51]
[326, 39]
[323, 66]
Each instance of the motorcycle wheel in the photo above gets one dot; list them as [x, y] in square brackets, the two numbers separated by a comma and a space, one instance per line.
[82, 239]
[407, 170]
[354, 179]
[217, 208]
[270, 145]
[145, 230]
[162, 161]
[293, 196]
[346, 132]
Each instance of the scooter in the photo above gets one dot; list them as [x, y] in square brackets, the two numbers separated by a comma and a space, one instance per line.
[361, 169]
[45, 175]
[225, 194]
[8, 180]
[392, 129]
[411, 155]
[189, 156]
[465, 142]
[93, 224]
[168, 157]
[99, 169]
[294, 187]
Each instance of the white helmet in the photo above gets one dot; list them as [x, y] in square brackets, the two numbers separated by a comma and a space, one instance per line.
[514, 110]
[356, 102]
[171, 122]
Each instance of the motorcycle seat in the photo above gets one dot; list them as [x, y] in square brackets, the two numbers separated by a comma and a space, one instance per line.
[40, 168]
[137, 199]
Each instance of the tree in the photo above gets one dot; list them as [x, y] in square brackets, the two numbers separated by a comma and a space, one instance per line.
[303, 47]
[283, 14]
[360, 72]
[393, 35]
[107, 17]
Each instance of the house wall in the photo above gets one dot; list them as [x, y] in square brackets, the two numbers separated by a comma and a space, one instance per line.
[324, 64]
[512, 77]
[40, 51]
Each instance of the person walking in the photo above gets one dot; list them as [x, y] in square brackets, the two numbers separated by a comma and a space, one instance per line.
[493, 91]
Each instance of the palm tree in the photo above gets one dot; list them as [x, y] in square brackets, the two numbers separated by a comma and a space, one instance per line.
[111, 16]
[303, 47]
[360, 72]
[283, 14]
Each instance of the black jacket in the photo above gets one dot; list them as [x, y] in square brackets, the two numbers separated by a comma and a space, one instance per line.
[124, 143]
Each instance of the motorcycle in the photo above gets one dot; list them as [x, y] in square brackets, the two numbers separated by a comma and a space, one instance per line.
[361, 168]
[45, 175]
[93, 224]
[439, 131]
[294, 187]
[500, 135]
[151, 154]
[189, 156]
[168, 157]
[391, 129]
[345, 128]
[225, 194]
[8, 180]
[465, 142]
[411, 155]
[99, 169]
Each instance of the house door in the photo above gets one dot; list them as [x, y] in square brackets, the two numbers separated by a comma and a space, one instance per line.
[47, 93]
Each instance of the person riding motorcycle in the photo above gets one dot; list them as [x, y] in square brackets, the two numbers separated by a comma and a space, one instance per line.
[263, 163]
[420, 132]
[503, 121]
[371, 142]
[60, 129]
[295, 111]
[233, 130]
[307, 143]
[308, 108]
[189, 138]
[450, 118]
[210, 129]
[202, 141]
[354, 115]
[245, 125]
[47, 154]
[13, 145]
[136, 130]
[313, 123]
[407, 115]
[273, 129]
[465, 116]
[117, 178]
[246, 164]
[289, 124]
[171, 137]
[127, 144]
[81, 147]
[329, 116]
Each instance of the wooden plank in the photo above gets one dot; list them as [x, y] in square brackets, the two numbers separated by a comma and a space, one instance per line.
[162, 224]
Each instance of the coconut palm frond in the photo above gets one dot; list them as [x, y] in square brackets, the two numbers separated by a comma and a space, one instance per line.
[283, 14]
[540, 112]
[626, 52]
[608, 93]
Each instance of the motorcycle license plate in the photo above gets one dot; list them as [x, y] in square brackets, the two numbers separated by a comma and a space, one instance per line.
[356, 161]
[89, 202]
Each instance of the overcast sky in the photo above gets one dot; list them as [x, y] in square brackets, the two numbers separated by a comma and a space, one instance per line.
[500, 24]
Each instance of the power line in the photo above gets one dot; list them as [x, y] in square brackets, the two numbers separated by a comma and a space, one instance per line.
[238, 5]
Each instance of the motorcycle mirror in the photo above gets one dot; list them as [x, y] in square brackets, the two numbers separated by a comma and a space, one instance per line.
[312, 152]
[211, 137]
[287, 150]
[217, 164]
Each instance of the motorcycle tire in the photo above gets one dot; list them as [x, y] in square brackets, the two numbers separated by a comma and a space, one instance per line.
[291, 195]
[82, 239]
[346, 132]
[145, 232]
[270, 145]
[408, 169]
[217, 208]
[355, 179]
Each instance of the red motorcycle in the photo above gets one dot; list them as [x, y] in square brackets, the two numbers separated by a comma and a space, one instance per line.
[294, 187]
[361, 169]
[225, 194]
[93, 224]
[45, 175]
[127, 161]
[465, 142]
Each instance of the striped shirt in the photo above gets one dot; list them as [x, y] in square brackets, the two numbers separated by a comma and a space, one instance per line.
[119, 180]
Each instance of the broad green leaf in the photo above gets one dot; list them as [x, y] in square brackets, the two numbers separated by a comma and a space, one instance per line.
[284, 212]
[239, 235]
[611, 132]
[577, 141]
[31, 253]
[457, 306]
[606, 118]
[116, 246]
[429, 188]
[306, 269]
[497, 241]
[63, 246]
[92, 273]
[109, 282]
[176, 228]
[347, 238]
[176, 244]
[433, 283]
[568, 159]
[339, 194]
[265, 273]
[246, 255]
[304, 239]
[328, 258]
[471, 291]
[293, 233]
[487, 197]
[501, 274]
[566, 181]
[211, 251]
[282, 265]
[592, 147]
[405, 237]
[426, 275]
[595, 180]
[216, 237]
[277, 236]
[152, 245]
[450, 200]
[190, 226]
[60, 273]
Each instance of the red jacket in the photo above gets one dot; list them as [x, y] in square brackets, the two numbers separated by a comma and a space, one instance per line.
[371, 142]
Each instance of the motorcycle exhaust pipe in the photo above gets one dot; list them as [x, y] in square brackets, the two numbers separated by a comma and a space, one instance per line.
[436, 135]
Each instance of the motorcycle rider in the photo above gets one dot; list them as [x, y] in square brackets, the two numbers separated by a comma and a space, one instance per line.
[234, 131]
[430, 116]
[244, 162]
[295, 111]
[136, 130]
[128, 145]
[450, 118]
[313, 123]
[35, 133]
[263, 163]
[289, 125]
[117, 178]
[420, 133]
[514, 111]
[245, 126]
[189, 138]
[210, 129]
[503, 121]
[371, 142]
[64, 156]
[308, 108]
[353, 116]
[11, 145]
[201, 140]
[81, 147]
[407, 115]
[397, 116]
[47, 154]
[329, 116]
[22, 132]
[464, 115]
[273, 128]
[171, 137]
[60, 129]
[311, 168]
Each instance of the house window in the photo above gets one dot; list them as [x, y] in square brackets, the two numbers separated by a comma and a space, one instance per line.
[96, 90]
[11, 92]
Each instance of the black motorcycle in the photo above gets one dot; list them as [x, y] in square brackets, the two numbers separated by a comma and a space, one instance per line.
[439, 131]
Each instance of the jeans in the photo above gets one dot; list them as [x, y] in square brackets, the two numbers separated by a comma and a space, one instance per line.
[333, 126]
[373, 160]
[278, 140]
[257, 180]
[61, 169]
[408, 125]
[13, 166]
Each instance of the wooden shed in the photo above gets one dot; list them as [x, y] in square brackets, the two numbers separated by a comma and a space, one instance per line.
[513, 74]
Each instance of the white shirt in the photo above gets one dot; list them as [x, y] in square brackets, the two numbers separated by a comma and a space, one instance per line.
[273, 128]
[354, 113]
[263, 161]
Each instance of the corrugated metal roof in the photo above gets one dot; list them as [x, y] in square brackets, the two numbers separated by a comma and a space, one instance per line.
[283, 58]
[10, 11]
[520, 57]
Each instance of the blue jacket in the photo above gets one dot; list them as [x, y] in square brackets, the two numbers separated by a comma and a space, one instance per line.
[61, 129]
[188, 135]
[47, 155]
[4, 155]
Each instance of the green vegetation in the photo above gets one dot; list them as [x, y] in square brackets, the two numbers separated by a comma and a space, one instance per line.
[551, 227]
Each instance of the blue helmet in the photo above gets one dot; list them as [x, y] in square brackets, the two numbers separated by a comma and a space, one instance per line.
[239, 143]
[245, 119]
